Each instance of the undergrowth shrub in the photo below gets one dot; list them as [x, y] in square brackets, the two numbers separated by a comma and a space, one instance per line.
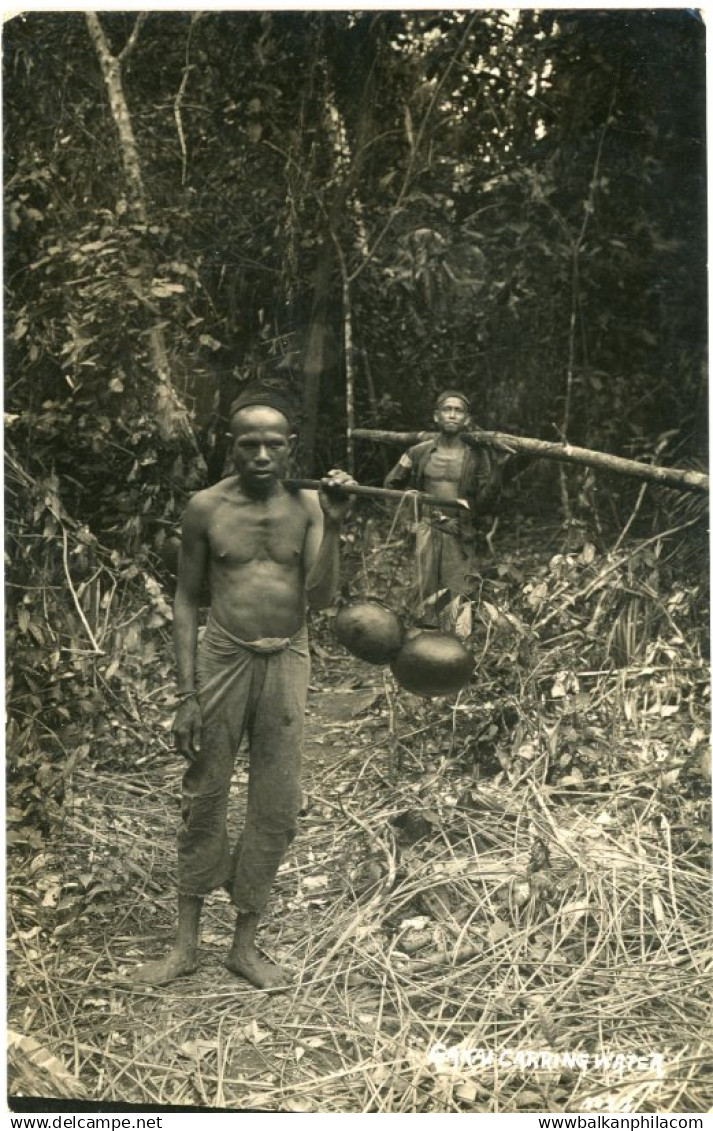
[86, 619]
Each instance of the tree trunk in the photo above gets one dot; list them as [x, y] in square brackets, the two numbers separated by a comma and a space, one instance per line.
[314, 358]
[678, 478]
[315, 352]
[171, 414]
[348, 371]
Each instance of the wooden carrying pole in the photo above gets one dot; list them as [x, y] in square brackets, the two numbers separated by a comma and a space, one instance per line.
[678, 478]
[381, 493]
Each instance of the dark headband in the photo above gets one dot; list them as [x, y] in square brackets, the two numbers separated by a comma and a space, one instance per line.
[452, 393]
[266, 398]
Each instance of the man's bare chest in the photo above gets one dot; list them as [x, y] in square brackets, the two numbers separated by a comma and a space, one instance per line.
[444, 467]
[269, 532]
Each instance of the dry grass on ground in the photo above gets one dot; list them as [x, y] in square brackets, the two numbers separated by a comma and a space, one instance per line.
[420, 907]
[519, 878]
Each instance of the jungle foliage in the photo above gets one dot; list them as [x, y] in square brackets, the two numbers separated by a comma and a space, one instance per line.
[362, 206]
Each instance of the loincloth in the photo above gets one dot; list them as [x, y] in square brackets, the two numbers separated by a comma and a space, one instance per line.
[444, 559]
[225, 663]
[258, 688]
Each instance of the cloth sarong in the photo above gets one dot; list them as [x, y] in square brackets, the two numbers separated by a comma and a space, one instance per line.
[446, 572]
[258, 688]
[444, 559]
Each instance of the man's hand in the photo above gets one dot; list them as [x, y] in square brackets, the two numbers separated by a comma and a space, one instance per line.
[335, 504]
[187, 728]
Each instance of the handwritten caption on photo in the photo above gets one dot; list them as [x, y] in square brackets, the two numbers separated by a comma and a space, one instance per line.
[456, 1058]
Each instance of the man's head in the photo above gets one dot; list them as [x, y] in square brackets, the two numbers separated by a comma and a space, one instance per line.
[261, 441]
[452, 413]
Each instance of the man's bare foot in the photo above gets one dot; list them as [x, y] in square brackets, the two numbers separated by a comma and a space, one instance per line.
[176, 964]
[261, 973]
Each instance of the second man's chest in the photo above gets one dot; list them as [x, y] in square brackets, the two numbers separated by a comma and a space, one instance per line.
[444, 467]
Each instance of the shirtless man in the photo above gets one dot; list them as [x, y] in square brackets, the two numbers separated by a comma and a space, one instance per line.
[450, 469]
[267, 551]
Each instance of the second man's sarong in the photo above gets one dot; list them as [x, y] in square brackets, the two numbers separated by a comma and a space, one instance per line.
[446, 573]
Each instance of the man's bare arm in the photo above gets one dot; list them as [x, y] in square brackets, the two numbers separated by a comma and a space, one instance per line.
[402, 474]
[321, 557]
[192, 574]
[321, 552]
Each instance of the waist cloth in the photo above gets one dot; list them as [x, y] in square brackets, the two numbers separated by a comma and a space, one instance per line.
[256, 688]
[445, 560]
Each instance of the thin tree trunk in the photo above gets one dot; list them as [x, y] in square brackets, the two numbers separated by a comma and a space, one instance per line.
[348, 344]
[575, 305]
[171, 415]
[314, 354]
[348, 371]
[111, 70]
[678, 478]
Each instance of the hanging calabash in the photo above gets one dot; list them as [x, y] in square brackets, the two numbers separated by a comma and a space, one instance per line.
[369, 630]
[433, 663]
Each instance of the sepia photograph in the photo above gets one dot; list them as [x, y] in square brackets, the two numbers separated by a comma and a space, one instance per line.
[357, 563]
